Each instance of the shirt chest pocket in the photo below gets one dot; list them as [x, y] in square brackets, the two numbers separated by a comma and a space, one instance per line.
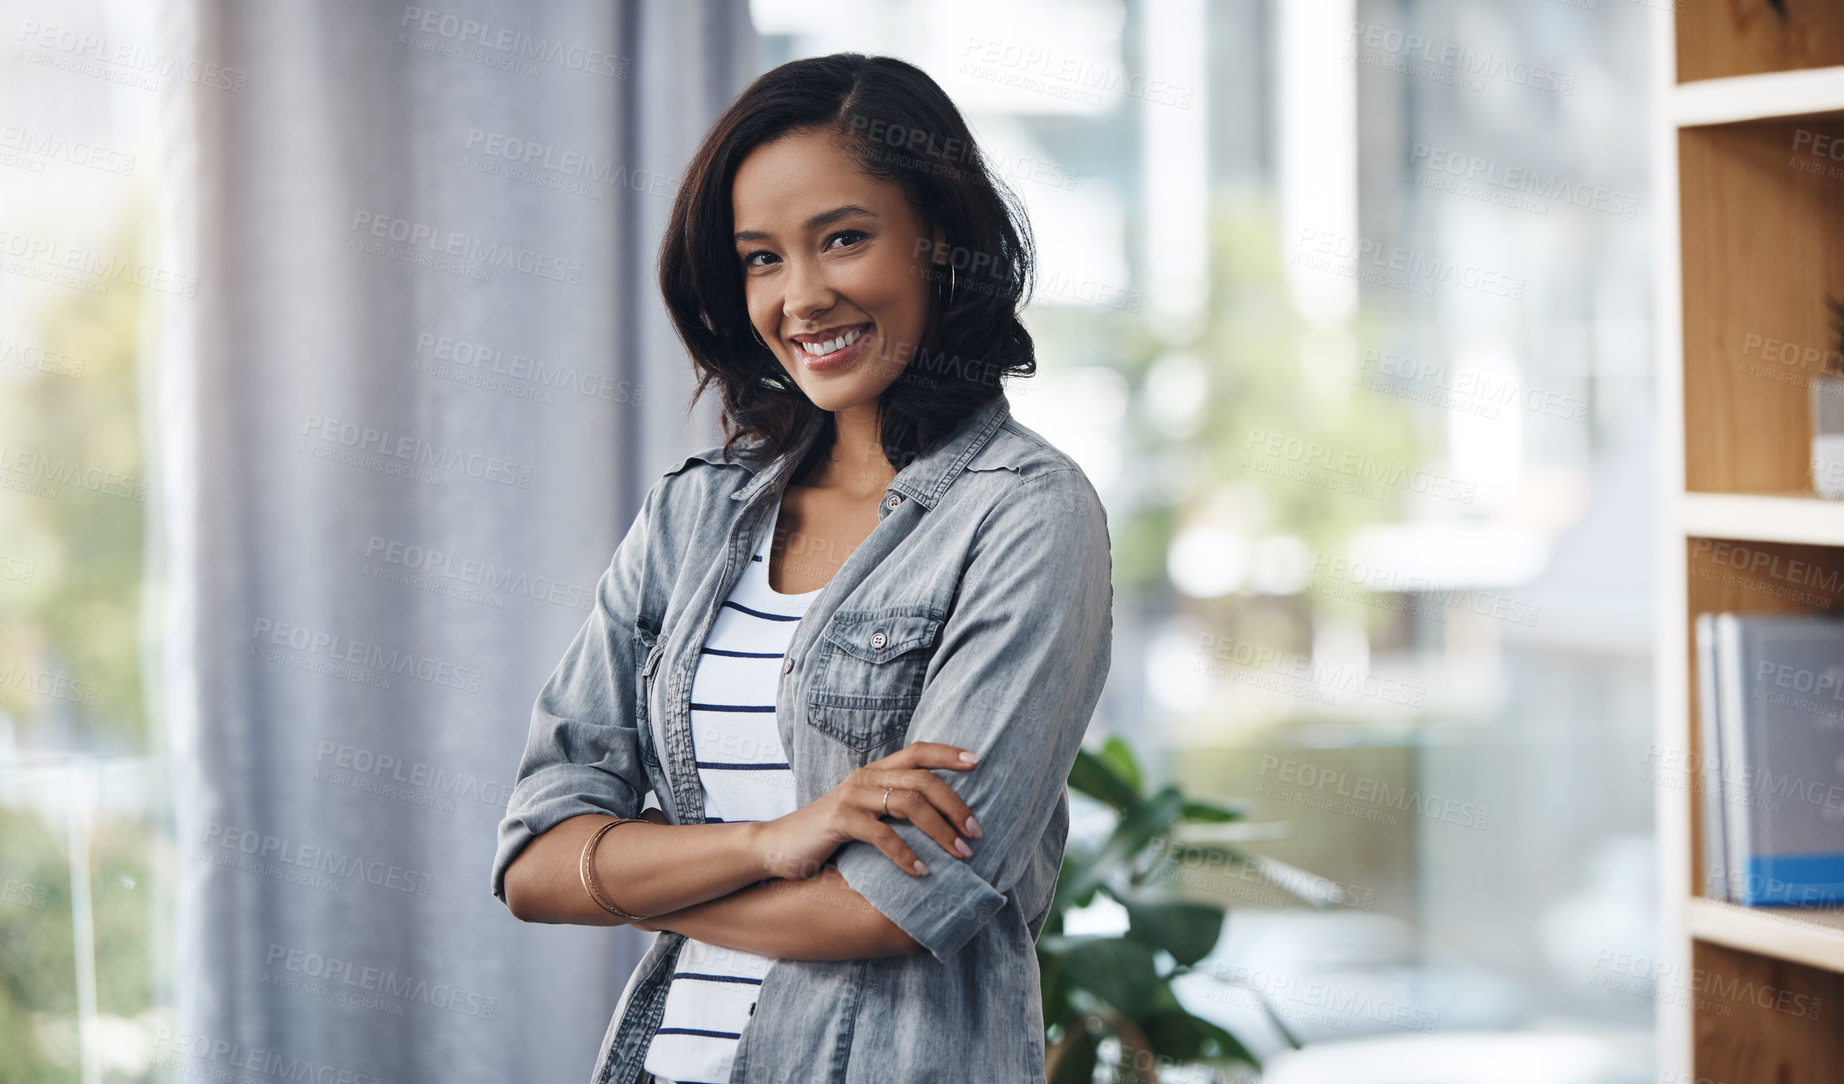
[868, 671]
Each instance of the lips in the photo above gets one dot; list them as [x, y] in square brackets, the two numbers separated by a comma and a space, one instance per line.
[839, 348]
[831, 339]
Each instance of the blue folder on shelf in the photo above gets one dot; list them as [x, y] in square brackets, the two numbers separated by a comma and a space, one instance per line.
[1780, 692]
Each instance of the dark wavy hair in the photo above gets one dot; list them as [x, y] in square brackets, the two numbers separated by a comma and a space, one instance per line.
[900, 127]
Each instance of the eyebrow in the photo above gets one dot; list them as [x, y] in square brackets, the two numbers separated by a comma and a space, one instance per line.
[813, 223]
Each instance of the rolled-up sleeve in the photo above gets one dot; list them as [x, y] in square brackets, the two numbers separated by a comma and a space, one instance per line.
[582, 753]
[1018, 670]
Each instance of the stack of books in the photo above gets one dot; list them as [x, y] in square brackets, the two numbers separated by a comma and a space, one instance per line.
[1770, 712]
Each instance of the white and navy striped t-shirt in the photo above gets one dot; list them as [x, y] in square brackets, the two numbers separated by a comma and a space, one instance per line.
[746, 777]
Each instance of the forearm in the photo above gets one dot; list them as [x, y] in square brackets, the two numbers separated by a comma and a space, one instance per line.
[818, 918]
[646, 868]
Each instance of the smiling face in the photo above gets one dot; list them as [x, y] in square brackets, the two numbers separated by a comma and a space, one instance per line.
[834, 268]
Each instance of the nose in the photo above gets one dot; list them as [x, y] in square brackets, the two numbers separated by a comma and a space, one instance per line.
[806, 293]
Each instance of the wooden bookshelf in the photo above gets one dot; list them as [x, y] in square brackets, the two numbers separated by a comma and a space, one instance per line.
[1804, 935]
[1750, 241]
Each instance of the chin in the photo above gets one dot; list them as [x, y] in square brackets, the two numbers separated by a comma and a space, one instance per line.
[838, 398]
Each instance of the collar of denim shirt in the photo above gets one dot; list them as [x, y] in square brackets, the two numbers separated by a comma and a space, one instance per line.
[925, 479]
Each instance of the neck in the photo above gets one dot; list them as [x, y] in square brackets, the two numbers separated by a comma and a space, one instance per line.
[855, 462]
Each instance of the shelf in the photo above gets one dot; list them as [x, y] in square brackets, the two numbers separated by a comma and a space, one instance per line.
[1749, 111]
[1720, 39]
[1810, 936]
[1799, 518]
[1772, 96]
[1758, 216]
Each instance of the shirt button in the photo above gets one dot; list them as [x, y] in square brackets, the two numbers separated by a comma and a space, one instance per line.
[788, 665]
[893, 501]
[877, 640]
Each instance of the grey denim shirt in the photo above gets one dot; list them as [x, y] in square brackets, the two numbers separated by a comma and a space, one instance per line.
[978, 612]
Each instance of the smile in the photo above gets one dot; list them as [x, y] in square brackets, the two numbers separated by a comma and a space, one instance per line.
[832, 346]
[835, 351]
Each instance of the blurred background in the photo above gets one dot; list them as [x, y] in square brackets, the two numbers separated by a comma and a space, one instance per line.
[332, 368]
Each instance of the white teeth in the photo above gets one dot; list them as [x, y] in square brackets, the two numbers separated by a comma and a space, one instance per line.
[832, 346]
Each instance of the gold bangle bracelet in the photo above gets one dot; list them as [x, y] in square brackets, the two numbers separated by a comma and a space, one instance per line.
[588, 870]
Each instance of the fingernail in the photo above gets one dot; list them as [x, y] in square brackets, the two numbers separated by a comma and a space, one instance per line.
[970, 758]
[961, 846]
[919, 867]
[973, 827]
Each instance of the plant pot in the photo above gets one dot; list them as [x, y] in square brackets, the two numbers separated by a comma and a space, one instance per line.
[1828, 436]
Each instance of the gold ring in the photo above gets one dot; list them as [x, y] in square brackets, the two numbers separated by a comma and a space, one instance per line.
[887, 791]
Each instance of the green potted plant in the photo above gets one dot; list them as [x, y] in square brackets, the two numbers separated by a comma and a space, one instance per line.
[1100, 987]
[1828, 415]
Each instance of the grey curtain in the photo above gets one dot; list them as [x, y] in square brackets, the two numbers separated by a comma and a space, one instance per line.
[423, 384]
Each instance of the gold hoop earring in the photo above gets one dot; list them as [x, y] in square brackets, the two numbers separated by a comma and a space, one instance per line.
[950, 301]
[758, 335]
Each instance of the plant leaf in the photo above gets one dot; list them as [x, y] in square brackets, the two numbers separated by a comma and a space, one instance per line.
[1186, 930]
[1138, 826]
[1174, 1032]
[1118, 756]
[1196, 810]
[1095, 777]
[1117, 970]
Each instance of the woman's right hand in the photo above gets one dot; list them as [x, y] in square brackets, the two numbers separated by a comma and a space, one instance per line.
[796, 845]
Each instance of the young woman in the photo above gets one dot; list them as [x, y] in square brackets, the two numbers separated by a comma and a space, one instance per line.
[817, 730]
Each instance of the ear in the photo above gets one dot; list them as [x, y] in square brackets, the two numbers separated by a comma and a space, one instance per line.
[941, 244]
